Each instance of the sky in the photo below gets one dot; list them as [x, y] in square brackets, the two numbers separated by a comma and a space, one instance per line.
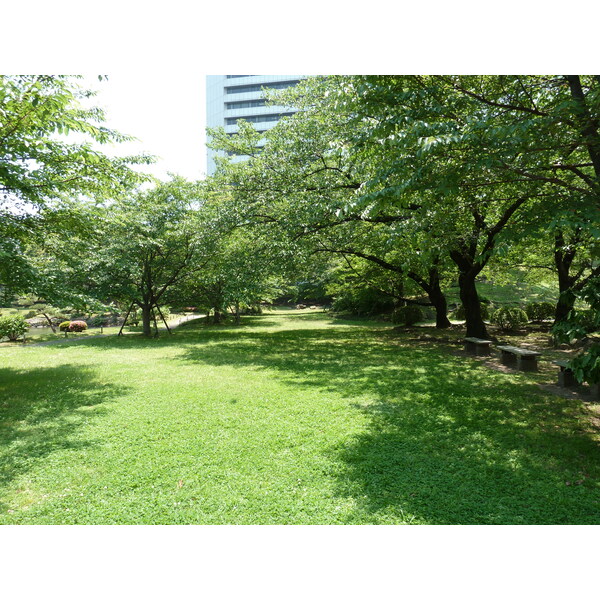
[166, 112]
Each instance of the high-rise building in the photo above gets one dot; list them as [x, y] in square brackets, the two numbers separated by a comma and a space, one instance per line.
[233, 97]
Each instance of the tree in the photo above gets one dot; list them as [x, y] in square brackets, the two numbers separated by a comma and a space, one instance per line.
[150, 242]
[42, 172]
[303, 179]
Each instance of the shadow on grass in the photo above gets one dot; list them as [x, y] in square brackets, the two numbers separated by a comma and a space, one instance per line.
[42, 417]
[447, 440]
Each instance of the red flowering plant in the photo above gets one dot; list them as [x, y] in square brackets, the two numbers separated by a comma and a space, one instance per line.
[77, 326]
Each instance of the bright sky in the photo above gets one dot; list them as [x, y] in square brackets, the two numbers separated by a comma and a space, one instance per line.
[166, 112]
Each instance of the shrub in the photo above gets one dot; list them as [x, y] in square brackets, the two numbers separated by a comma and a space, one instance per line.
[407, 315]
[460, 315]
[507, 317]
[587, 319]
[77, 326]
[362, 301]
[64, 326]
[99, 321]
[539, 311]
[30, 314]
[13, 327]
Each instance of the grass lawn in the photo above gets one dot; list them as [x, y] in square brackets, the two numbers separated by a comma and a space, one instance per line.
[290, 418]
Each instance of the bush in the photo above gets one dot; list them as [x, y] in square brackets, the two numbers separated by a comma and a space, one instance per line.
[540, 311]
[64, 326]
[587, 319]
[362, 301]
[30, 314]
[460, 315]
[13, 327]
[407, 315]
[77, 326]
[99, 321]
[508, 317]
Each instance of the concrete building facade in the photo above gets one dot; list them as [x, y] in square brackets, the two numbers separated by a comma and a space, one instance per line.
[232, 97]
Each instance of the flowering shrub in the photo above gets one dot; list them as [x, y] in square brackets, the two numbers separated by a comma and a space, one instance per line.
[64, 326]
[77, 326]
[13, 327]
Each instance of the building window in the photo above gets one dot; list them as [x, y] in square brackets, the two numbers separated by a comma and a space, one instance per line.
[244, 104]
[257, 118]
[257, 87]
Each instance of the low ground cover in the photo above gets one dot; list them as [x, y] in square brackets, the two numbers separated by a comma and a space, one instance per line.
[290, 418]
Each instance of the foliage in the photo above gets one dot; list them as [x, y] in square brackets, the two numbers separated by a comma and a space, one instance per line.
[64, 326]
[361, 301]
[459, 314]
[539, 311]
[13, 327]
[43, 174]
[509, 318]
[586, 366]
[407, 315]
[99, 321]
[77, 326]
[147, 243]
[577, 326]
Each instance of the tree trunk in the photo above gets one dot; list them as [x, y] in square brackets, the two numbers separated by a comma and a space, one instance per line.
[563, 259]
[237, 313]
[147, 319]
[432, 288]
[50, 322]
[563, 307]
[470, 301]
[435, 294]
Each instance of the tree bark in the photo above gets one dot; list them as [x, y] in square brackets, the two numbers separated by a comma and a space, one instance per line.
[146, 319]
[470, 301]
[563, 259]
[441, 308]
[49, 322]
[436, 296]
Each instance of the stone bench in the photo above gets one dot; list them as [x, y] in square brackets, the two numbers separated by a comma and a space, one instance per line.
[477, 346]
[566, 378]
[526, 360]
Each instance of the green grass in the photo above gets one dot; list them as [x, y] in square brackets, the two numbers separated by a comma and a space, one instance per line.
[291, 418]
[518, 293]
